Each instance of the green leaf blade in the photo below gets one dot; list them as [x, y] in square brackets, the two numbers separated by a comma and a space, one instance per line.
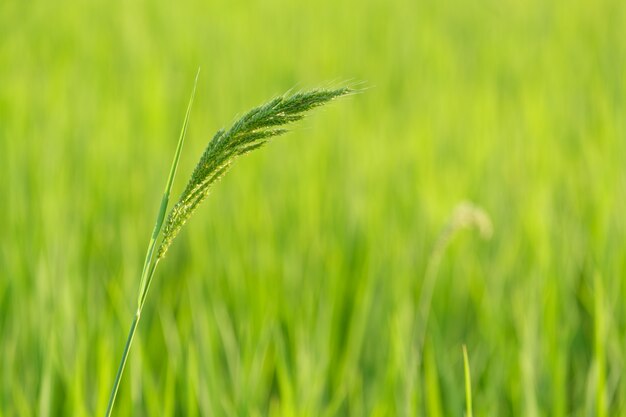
[145, 275]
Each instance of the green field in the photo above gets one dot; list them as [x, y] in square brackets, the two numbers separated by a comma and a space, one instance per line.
[294, 291]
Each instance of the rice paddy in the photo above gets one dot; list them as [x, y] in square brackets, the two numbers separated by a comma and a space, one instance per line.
[300, 286]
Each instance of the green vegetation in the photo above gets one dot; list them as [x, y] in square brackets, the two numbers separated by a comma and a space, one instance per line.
[295, 290]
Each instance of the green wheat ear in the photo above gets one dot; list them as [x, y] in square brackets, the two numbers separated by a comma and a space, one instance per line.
[250, 132]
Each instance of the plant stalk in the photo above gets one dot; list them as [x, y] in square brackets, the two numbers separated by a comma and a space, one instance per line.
[120, 370]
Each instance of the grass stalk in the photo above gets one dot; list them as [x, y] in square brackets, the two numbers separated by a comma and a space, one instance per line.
[465, 216]
[250, 132]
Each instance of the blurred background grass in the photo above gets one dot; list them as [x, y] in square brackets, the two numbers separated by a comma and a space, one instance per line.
[294, 290]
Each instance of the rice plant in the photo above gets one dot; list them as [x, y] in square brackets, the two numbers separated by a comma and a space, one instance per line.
[465, 216]
[250, 132]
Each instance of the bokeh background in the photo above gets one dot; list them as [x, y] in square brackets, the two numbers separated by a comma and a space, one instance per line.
[294, 290]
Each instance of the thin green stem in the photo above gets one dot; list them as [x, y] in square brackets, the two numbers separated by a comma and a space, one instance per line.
[146, 276]
[468, 384]
[120, 371]
[142, 299]
[148, 273]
